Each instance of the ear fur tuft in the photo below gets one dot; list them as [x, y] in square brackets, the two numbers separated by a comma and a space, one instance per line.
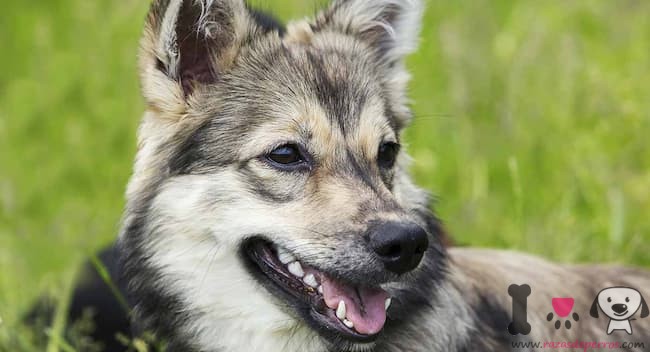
[391, 27]
[188, 44]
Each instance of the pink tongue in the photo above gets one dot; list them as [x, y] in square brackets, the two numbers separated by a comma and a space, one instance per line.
[365, 306]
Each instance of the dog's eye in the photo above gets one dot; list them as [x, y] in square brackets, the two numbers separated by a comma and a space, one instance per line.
[286, 155]
[609, 299]
[387, 154]
[627, 299]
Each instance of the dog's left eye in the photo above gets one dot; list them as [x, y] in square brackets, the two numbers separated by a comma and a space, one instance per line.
[288, 155]
[387, 154]
[627, 299]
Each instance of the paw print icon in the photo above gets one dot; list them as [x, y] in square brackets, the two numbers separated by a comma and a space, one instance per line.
[562, 308]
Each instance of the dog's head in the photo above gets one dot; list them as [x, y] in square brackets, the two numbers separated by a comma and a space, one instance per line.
[619, 303]
[272, 158]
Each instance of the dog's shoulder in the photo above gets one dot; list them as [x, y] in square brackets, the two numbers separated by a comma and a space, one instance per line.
[616, 275]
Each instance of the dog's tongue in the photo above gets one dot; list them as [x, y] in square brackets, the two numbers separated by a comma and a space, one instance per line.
[365, 306]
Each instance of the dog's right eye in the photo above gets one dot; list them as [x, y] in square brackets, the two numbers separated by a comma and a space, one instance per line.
[387, 154]
[286, 156]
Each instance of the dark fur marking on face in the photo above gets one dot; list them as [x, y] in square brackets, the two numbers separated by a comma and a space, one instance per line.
[388, 177]
[188, 155]
[210, 147]
[259, 187]
[395, 123]
[352, 167]
[339, 97]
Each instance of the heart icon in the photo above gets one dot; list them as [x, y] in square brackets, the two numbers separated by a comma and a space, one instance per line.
[563, 306]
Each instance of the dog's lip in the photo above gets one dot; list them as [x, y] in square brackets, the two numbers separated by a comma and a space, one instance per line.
[261, 254]
[620, 314]
[272, 274]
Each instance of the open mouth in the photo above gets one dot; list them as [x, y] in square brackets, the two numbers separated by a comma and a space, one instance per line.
[336, 309]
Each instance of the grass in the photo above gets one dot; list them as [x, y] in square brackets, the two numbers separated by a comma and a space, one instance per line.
[532, 129]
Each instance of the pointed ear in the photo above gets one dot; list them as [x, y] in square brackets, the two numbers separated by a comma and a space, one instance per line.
[644, 308]
[187, 44]
[391, 30]
[594, 308]
[392, 27]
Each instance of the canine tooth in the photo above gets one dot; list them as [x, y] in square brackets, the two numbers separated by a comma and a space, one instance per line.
[320, 289]
[296, 269]
[341, 311]
[310, 280]
[348, 323]
[284, 256]
[387, 303]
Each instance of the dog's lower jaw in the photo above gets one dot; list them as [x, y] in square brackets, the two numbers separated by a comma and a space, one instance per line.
[226, 309]
[206, 320]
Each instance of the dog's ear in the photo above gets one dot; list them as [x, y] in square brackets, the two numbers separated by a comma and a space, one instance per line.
[188, 44]
[391, 27]
[644, 308]
[594, 308]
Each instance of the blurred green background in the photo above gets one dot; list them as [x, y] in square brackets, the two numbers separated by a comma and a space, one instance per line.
[532, 128]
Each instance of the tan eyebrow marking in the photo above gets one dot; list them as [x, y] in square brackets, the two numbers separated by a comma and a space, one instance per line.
[373, 127]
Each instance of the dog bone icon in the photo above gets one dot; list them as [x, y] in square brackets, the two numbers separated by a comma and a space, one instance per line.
[519, 324]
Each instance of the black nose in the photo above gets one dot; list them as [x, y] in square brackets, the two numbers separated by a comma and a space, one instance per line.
[399, 246]
[619, 308]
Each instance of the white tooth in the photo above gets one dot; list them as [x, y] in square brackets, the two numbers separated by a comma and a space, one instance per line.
[348, 323]
[387, 303]
[284, 256]
[296, 269]
[310, 280]
[340, 310]
[320, 289]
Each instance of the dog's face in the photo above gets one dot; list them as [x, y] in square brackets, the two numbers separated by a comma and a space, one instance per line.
[619, 303]
[272, 159]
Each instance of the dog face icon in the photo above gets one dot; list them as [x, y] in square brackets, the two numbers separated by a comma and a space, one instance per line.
[619, 304]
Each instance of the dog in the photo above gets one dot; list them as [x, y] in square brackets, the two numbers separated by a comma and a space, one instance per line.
[271, 209]
[619, 304]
